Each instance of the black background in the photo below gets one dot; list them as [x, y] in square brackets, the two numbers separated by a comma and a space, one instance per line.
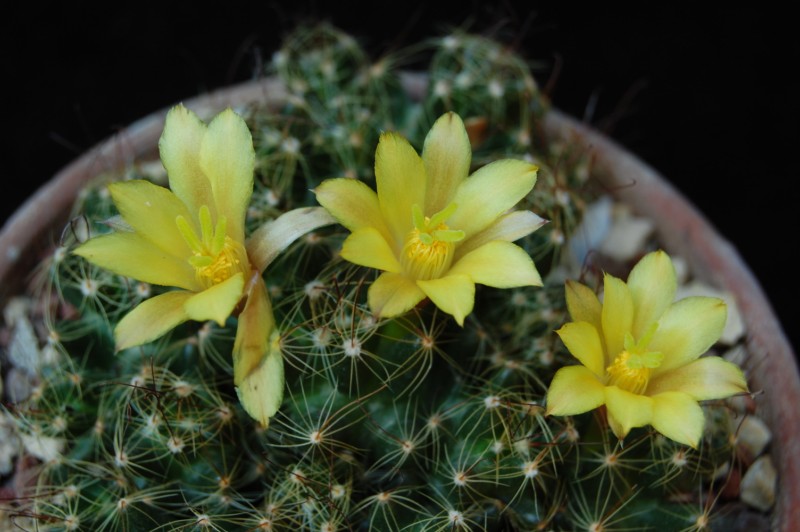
[710, 99]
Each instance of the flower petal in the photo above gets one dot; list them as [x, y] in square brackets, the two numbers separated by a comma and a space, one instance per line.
[687, 329]
[151, 319]
[652, 284]
[179, 147]
[574, 390]
[261, 392]
[583, 304]
[255, 326]
[227, 158]
[393, 294]
[617, 314]
[583, 341]
[499, 264]
[367, 247]
[352, 203]
[454, 294]
[151, 210]
[627, 410]
[261, 389]
[678, 417]
[490, 192]
[509, 227]
[447, 156]
[703, 379]
[274, 236]
[216, 303]
[401, 181]
[131, 255]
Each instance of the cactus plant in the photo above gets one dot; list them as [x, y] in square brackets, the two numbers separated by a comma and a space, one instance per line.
[404, 422]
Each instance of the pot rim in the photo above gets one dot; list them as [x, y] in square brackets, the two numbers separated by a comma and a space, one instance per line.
[29, 233]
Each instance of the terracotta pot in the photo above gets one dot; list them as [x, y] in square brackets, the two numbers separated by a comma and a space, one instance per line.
[771, 367]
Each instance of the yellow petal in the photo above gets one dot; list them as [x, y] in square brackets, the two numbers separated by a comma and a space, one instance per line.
[393, 294]
[227, 158]
[274, 236]
[151, 319]
[454, 294]
[179, 147]
[509, 227]
[499, 264]
[401, 181]
[216, 303]
[678, 417]
[352, 203]
[574, 390]
[131, 255]
[261, 392]
[151, 211]
[583, 341]
[627, 410]
[367, 247]
[583, 304]
[255, 326]
[617, 314]
[703, 379]
[652, 284]
[488, 193]
[447, 156]
[688, 329]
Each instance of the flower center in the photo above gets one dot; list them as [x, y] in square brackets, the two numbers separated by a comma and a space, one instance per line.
[631, 369]
[216, 257]
[428, 249]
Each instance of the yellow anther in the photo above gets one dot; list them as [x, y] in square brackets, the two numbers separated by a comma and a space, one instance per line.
[429, 247]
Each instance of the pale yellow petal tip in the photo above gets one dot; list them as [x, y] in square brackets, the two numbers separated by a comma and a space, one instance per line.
[261, 392]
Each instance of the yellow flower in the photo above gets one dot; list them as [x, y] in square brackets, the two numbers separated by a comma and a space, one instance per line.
[192, 237]
[640, 354]
[432, 230]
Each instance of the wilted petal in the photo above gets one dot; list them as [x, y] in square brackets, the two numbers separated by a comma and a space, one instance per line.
[447, 156]
[274, 236]
[583, 304]
[628, 410]
[367, 247]
[393, 294]
[255, 325]
[131, 255]
[261, 391]
[150, 210]
[574, 390]
[151, 319]
[401, 180]
[688, 329]
[652, 284]
[217, 302]
[583, 341]
[703, 379]
[179, 147]
[454, 294]
[499, 264]
[352, 203]
[678, 417]
[509, 227]
[227, 158]
[617, 314]
[489, 192]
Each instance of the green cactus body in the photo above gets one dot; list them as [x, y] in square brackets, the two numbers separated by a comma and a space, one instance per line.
[409, 423]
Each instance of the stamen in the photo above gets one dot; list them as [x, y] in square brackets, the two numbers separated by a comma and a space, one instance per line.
[215, 256]
[428, 250]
